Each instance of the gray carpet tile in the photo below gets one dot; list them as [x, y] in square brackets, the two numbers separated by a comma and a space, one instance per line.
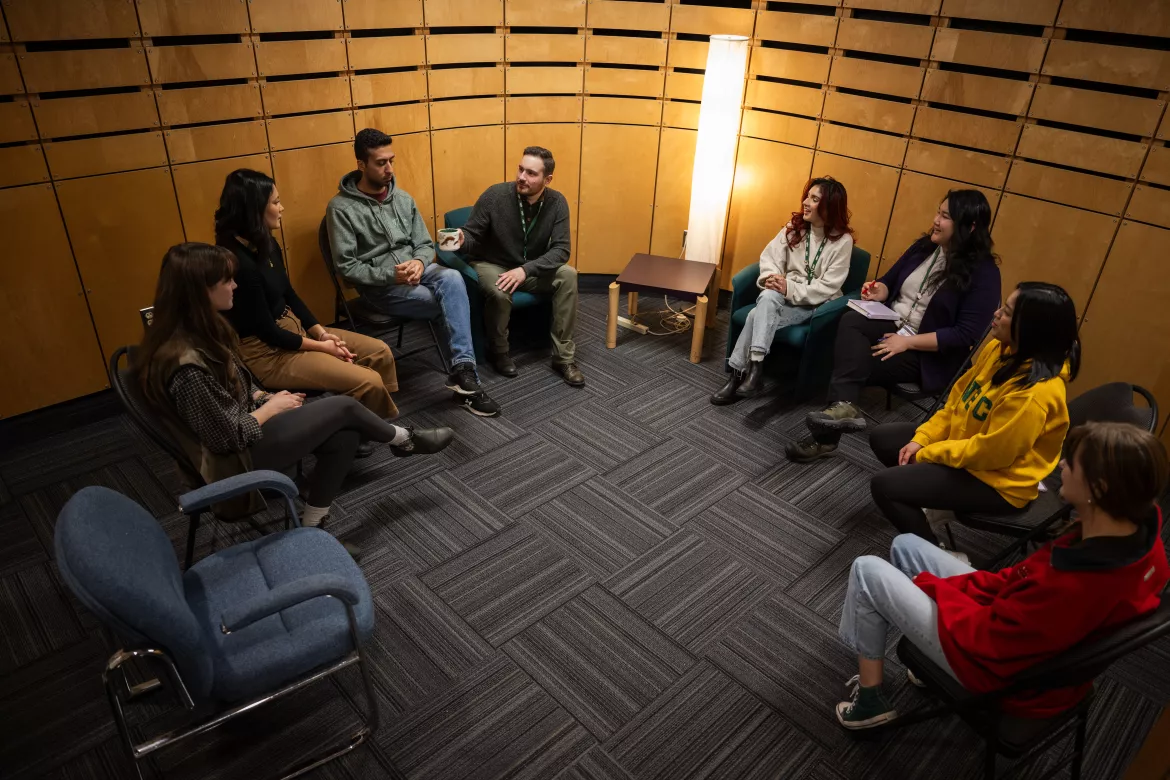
[474, 436]
[19, 546]
[1147, 670]
[65, 455]
[664, 403]
[690, 588]
[508, 582]
[608, 371]
[36, 616]
[822, 587]
[537, 394]
[420, 647]
[600, 526]
[707, 726]
[435, 518]
[676, 479]
[832, 488]
[599, 659]
[594, 764]
[598, 435]
[108, 759]
[523, 474]
[494, 723]
[766, 532]
[720, 433]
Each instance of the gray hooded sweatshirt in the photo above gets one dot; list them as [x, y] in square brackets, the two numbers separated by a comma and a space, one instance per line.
[369, 238]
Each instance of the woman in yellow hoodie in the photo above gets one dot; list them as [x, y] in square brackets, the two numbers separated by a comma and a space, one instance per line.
[1003, 425]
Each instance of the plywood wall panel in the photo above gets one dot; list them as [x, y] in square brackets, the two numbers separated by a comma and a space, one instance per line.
[400, 87]
[64, 117]
[56, 20]
[871, 190]
[1040, 241]
[294, 15]
[769, 178]
[466, 162]
[809, 29]
[684, 86]
[307, 179]
[292, 97]
[463, 13]
[22, 165]
[279, 58]
[863, 144]
[450, 49]
[1150, 204]
[986, 170]
[209, 104]
[672, 191]
[917, 202]
[1090, 108]
[120, 275]
[412, 172]
[1072, 188]
[880, 77]
[615, 220]
[1135, 17]
[543, 109]
[205, 62]
[687, 54]
[901, 6]
[544, 13]
[62, 71]
[1005, 96]
[42, 298]
[1112, 64]
[868, 112]
[1157, 167]
[398, 51]
[788, 64]
[626, 111]
[382, 14]
[291, 132]
[182, 17]
[544, 48]
[1124, 331]
[779, 127]
[624, 81]
[10, 81]
[987, 49]
[977, 132]
[199, 185]
[1081, 150]
[209, 142]
[544, 81]
[702, 20]
[466, 113]
[16, 122]
[681, 115]
[407, 118]
[625, 50]
[900, 40]
[109, 154]
[1037, 12]
[787, 98]
[465, 82]
[617, 15]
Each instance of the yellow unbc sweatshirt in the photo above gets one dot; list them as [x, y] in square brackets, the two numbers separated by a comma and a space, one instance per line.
[1009, 437]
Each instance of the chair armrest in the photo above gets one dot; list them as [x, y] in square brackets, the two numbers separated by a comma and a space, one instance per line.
[743, 287]
[288, 595]
[456, 261]
[202, 498]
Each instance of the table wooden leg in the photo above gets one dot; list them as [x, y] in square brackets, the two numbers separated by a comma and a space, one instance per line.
[611, 323]
[632, 303]
[700, 328]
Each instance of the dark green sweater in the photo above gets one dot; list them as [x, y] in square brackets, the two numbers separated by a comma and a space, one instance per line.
[494, 232]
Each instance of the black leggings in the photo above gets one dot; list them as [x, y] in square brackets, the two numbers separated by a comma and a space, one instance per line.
[854, 364]
[331, 429]
[901, 492]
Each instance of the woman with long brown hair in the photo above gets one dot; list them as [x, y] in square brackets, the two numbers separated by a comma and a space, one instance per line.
[804, 266]
[190, 371]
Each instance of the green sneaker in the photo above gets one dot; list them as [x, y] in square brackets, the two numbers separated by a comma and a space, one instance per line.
[867, 708]
[839, 417]
[808, 449]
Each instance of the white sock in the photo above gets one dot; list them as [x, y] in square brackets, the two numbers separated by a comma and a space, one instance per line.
[313, 515]
[401, 436]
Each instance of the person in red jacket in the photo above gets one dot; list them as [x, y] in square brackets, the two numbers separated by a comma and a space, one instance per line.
[986, 627]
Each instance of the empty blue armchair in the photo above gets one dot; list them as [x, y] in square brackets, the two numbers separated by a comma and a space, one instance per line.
[520, 300]
[814, 338]
[242, 627]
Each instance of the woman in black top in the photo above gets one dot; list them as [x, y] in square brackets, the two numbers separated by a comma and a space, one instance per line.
[281, 341]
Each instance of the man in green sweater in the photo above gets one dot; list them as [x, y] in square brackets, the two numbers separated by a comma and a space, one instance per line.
[518, 239]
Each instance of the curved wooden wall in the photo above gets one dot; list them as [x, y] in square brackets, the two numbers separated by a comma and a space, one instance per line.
[119, 120]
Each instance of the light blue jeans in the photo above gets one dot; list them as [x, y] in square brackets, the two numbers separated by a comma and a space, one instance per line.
[882, 594]
[772, 313]
[440, 286]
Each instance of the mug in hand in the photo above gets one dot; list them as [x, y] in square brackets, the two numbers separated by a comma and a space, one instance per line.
[448, 237]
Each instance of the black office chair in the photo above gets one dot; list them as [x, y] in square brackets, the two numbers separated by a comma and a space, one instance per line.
[1025, 739]
[128, 393]
[912, 392]
[360, 317]
[1113, 402]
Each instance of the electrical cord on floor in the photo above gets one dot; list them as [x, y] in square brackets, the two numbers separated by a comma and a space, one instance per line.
[672, 320]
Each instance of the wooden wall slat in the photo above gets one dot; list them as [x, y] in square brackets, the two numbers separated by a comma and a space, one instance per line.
[672, 191]
[465, 82]
[869, 112]
[291, 97]
[412, 172]
[544, 13]
[10, 81]
[968, 90]
[687, 54]
[617, 15]
[399, 51]
[1038, 12]
[1080, 150]
[95, 114]
[57, 20]
[22, 165]
[868, 76]
[1150, 204]
[989, 50]
[901, 40]
[1071, 188]
[466, 161]
[294, 15]
[863, 144]
[543, 109]
[1157, 167]
[467, 113]
[684, 86]
[785, 97]
[1111, 64]
[182, 17]
[278, 58]
[631, 111]
[902, 6]
[407, 118]
[779, 127]
[92, 156]
[1120, 113]
[978, 132]
[985, 170]
[209, 104]
[703, 19]
[539, 80]
[623, 50]
[16, 122]
[60, 71]
[810, 29]
[788, 64]
[451, 49]
[206, 62]
[1135, 17]
[463, 13]
[199, 185]
[210, 142]
[292, 132]
[615, 222]
[544, 48]
[681, 115]
[382, 14]
[624, 81]
[398, 87]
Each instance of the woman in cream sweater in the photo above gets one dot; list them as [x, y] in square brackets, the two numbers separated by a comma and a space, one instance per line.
[800, 269]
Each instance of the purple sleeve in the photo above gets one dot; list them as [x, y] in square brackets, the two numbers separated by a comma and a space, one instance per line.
[976, 309]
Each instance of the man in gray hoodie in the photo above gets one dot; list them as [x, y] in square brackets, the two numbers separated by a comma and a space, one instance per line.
[381, 245]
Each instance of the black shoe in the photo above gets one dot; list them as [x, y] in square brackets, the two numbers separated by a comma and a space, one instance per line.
[753, 383]
[839, 417]
[463, 380]
[570, 373]
[504, 365]
[479, 404]
[726, 394]
[809, 449]
[423, 441]
[365, 449]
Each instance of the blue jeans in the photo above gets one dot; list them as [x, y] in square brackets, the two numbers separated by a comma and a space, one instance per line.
[772, 312]
[439, 285]
[882, 593]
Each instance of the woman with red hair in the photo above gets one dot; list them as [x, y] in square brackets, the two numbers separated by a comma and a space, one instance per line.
[800, 269]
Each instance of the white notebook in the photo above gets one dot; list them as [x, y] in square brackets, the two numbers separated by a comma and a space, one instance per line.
[874, 310]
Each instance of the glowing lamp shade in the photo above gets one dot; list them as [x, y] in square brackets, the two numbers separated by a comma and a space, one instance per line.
[714, 168]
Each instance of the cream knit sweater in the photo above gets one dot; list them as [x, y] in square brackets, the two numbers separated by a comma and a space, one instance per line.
[830, 273]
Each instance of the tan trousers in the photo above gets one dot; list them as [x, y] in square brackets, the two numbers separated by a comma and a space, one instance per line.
[370, 378]
[560, 286]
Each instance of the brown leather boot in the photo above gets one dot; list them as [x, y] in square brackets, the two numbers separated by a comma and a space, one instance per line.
[570, 373]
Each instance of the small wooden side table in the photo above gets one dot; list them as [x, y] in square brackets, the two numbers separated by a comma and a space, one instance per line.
[684, 279]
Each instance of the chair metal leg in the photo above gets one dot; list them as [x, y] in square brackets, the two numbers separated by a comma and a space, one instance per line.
[1079, 746]
[438, 346]
[192, 528]
[401, 327]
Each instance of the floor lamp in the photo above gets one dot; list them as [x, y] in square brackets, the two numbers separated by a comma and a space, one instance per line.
[714, 168]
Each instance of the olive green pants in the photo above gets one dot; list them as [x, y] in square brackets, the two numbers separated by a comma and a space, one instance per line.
[560, 286]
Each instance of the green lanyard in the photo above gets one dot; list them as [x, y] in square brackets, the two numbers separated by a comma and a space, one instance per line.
[925, 280]
[525, 224]
[811, 269]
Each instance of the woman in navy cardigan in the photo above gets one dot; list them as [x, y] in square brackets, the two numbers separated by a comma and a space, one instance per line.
[945, 288]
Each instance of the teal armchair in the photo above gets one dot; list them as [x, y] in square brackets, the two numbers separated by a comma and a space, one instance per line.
[813, 339]
[520, 300]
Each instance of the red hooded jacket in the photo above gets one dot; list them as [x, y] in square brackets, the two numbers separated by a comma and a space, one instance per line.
[994, 625]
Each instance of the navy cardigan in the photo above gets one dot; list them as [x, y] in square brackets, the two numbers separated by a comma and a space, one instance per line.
[957, 319]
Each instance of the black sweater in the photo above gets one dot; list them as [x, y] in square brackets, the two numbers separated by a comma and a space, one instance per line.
[262, 292]
[494, 232]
